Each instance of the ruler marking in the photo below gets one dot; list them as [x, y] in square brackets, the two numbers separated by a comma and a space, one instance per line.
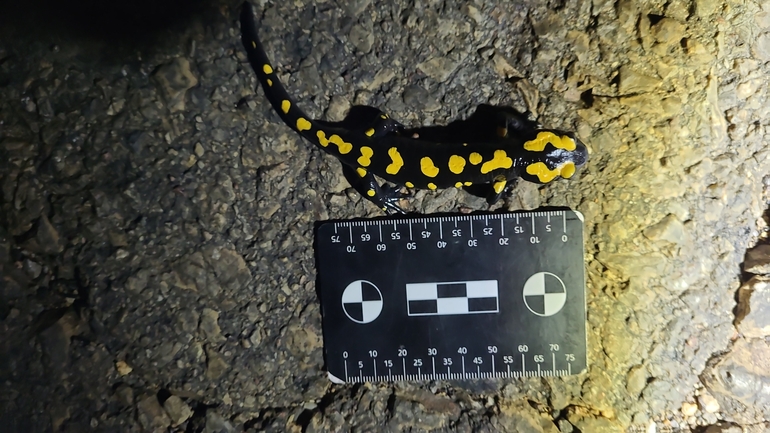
[533, 224]
[569, 367]
[350, 228]
[523, 364]
[374, 363]
[553, 359]
[493, 364]
[403, 363]
[564, 220]
[346, 371]
[433, 360]
[502, 227]
[440, 231]
[380, 227]
[410, 232]
[470, 223]
[365, 225]
[335, 228]
[538, 370]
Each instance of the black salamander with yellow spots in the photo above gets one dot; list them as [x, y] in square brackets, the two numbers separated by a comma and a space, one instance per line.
[380, 146]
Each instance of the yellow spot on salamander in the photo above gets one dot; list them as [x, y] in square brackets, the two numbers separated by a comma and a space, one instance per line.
[459, 185]
[369, 132]
[269, 82]
[427, 167]
[499, 186]
[502, 132]
[467, 183]
[344, 146]
[500, 160]
[432, 185]
[253, 44]
[361, 172]
[302, 124]
[456, 164]
[383, 116]
[544, 137]
[366, 156]
[542, 172]
[409, 184]
[370, 193]
[397, 163]
[465, 144]
[475, 158]
[322, 138]
[267, 69]
[285, 106]
[567, 170]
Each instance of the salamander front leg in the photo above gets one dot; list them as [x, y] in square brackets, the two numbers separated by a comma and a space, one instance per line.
[510, 121]
[386, 197]
[500, 187]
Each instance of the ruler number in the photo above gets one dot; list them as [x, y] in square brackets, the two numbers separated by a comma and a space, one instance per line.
[335, 239]
[388, 363]
[417, 362]
[569, 356]
[473, 242]
[381, 247]
[425, 234]
[395, 236]
[366, 237]
[502, 241]
[351, 248]
[487, 231]
[539, 358]
[360, 364]
[554, 347]
[447, 361]
[564, 238]
[478, 361]
[457, 232]
[345, 354]
[523, 348]
[373, 353]
[518, 230]
[411, 245]
[462, 350]
[441, 244]
[492, 349]
[507, 359]
[401, 353]
[432, 351]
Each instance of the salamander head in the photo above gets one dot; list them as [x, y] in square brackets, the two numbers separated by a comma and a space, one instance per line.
[555, 154]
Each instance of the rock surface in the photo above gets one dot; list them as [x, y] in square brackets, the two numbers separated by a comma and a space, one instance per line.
[156, 217]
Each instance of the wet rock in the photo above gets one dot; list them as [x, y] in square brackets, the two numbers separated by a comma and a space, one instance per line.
[632, 81]
[338, 108]
[175, 78]
[761, 47]
[45, 238]
[669, 229]
[216, 365]
[209, 325]
[216, 424]
[177, 410]
[438, 68]
[151, 415]
[752, 314]
[758, 260]
[742, 375]
[361, 38]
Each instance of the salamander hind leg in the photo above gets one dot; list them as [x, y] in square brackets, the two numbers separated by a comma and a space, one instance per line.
[385, 197]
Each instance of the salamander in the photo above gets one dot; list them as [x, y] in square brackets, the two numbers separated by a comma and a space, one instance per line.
[380, 146]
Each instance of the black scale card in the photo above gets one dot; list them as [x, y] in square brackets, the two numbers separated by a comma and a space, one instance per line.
[454, 297]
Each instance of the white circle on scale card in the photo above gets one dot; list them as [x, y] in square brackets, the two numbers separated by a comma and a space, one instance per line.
[362, 301]
[544, 294]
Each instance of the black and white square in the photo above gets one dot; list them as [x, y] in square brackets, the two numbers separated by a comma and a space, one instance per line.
[450, 298]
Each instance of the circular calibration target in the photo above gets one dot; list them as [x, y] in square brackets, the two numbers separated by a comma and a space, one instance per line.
[544, 294]
[362, 301]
